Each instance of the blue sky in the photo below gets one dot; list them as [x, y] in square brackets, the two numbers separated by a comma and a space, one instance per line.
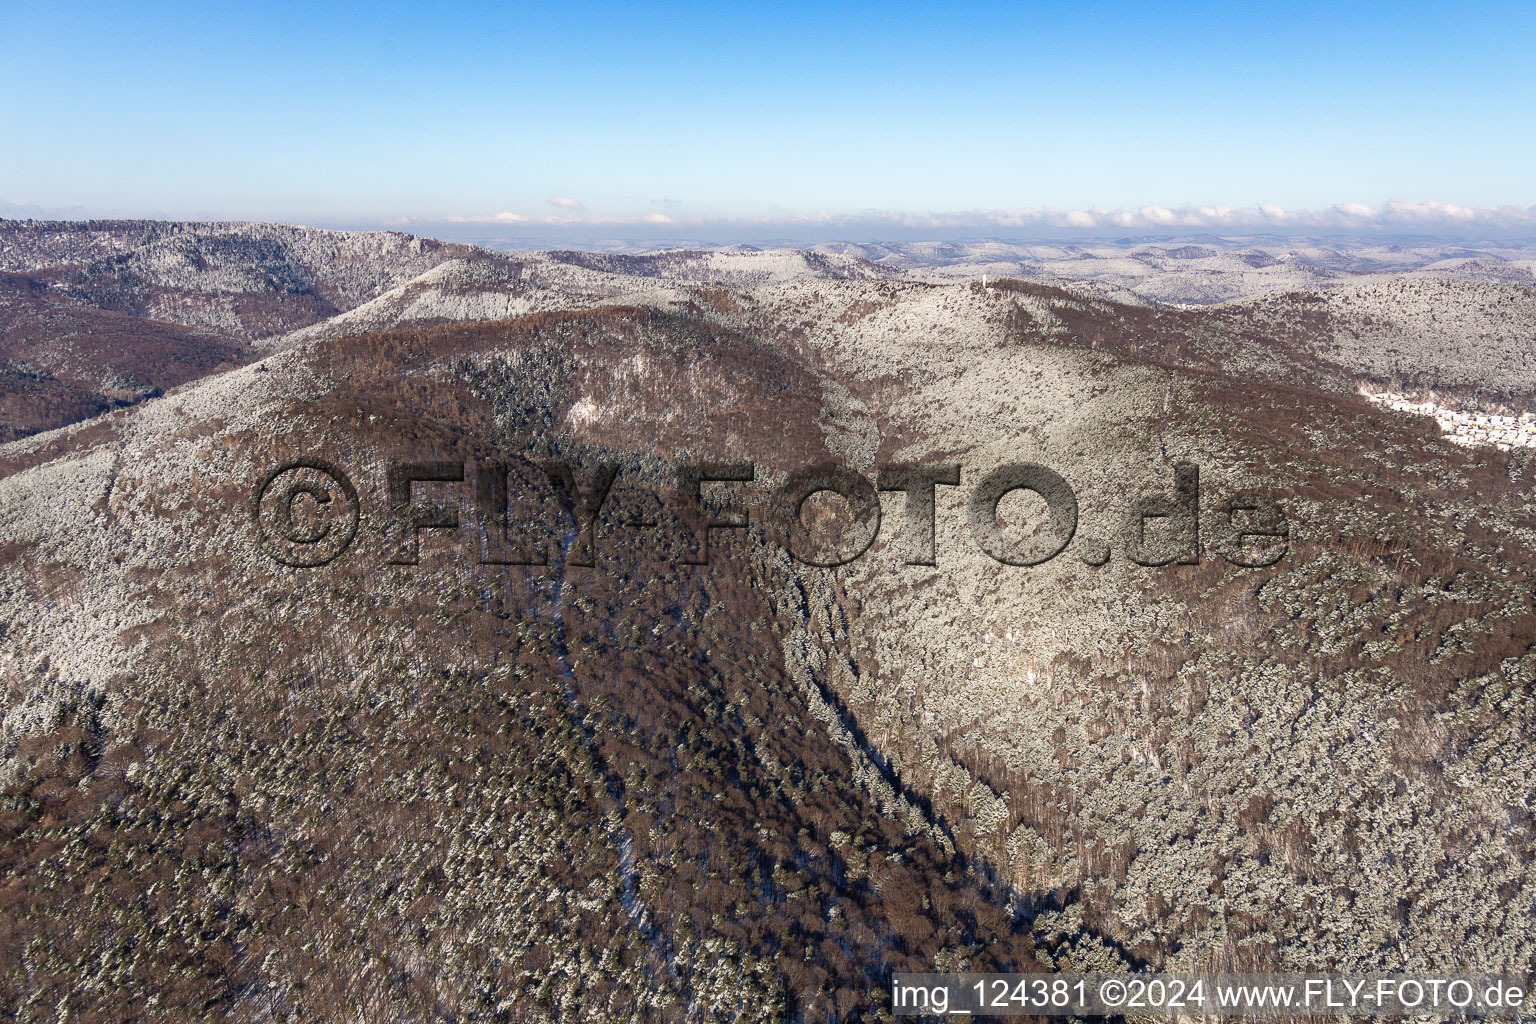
[623, 114]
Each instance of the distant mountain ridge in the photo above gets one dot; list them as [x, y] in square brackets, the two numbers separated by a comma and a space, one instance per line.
[97, 314]
[1206, 271]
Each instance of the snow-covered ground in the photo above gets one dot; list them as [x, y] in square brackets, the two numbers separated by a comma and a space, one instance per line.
[1468, 428]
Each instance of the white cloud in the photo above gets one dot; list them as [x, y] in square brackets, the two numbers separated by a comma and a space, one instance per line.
[1394, 216]
[566, 203]
[1018, 218]
[1430, 211]
[495, 218]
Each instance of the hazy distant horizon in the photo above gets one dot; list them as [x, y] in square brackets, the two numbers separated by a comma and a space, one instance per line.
[1390, 223]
